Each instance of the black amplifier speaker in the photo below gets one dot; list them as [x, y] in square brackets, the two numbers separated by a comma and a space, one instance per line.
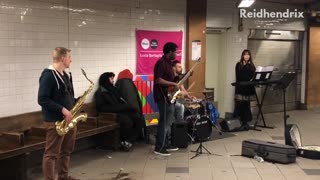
[229, 125]
[179, 134]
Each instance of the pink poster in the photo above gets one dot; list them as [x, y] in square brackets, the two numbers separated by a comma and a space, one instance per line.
[150, 45]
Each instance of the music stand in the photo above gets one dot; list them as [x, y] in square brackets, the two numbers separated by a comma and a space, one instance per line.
[284, 82]
[261, 76]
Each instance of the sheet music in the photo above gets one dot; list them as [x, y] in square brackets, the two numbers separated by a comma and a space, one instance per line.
[267, 75]
[264, 69]
[258, 76]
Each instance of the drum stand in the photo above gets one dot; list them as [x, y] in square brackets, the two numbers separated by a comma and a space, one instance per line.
[200, 151]
[191, 138]
[200, 148]
[219, 131]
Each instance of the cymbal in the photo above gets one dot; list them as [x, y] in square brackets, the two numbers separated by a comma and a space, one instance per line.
[193, 106]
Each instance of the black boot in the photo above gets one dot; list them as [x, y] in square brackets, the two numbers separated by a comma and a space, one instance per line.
[245, 126]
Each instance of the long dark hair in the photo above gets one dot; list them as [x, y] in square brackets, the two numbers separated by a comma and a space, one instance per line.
[250, 63]
[105, 83]
[104, 80]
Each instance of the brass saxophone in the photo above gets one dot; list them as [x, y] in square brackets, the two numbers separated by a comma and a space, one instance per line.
[63, 127]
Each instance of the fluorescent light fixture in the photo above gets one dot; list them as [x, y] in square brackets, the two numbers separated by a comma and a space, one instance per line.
[245, 3]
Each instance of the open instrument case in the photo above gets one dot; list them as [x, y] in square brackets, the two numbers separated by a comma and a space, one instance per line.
[294, 137]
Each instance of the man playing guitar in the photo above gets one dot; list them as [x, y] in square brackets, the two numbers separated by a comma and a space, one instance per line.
[163, 78]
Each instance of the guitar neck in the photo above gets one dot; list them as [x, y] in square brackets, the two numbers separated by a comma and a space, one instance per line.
[192, 84]
[188, 74]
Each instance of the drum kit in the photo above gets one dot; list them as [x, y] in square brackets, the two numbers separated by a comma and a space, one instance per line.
[199, 123]
[197, 116]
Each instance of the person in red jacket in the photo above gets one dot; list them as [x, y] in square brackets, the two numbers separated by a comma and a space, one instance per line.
[129, 92]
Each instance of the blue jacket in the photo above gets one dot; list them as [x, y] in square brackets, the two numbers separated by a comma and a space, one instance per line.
[55, 92]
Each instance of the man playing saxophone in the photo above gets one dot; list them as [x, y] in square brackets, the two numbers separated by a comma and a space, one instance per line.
[56, 98]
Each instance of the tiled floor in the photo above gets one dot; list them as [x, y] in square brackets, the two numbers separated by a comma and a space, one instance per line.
[142, 164]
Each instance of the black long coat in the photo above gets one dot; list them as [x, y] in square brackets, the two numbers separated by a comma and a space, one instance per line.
[244, 73]
[130, 120]
[107, 102]
[242, 107]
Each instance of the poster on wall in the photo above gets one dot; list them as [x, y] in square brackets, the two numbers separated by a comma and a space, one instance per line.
[150, 45]
[196, 50]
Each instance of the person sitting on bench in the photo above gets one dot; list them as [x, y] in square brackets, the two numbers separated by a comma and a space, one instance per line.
[108, 100]
[129, 92]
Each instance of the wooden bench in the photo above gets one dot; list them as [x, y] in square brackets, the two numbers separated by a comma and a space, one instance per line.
[25, 133]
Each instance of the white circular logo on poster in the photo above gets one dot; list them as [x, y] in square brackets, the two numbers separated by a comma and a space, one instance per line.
[145, 44]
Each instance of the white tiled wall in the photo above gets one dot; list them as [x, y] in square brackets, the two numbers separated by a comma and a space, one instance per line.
[224, 14]
[100, 34]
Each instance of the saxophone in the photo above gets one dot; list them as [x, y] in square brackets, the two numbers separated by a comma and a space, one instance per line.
[63, 127]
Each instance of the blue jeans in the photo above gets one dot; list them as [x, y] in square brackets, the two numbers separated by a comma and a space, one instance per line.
[164, 125]
[179, 111]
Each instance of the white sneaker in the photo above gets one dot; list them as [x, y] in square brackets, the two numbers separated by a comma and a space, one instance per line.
[172, 148]
[126, 145]
[163, 152]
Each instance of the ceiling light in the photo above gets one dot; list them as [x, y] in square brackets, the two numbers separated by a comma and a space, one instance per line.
[245, 3]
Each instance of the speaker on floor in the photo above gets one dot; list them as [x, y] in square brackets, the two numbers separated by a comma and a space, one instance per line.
[229, 125]
[179, 134]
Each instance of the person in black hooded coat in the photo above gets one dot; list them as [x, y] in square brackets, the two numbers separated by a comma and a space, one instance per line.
[129, 92]
[108, 100]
